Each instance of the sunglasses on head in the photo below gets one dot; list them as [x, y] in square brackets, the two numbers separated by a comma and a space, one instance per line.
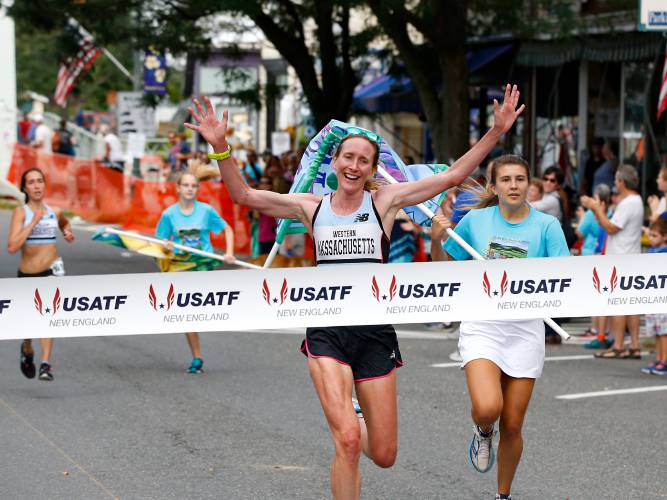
[371, 136]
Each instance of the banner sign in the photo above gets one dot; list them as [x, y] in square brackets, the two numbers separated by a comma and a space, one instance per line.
[132, 304]
[155, 73]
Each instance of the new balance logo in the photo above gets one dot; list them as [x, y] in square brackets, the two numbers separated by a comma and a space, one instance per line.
[361, 218]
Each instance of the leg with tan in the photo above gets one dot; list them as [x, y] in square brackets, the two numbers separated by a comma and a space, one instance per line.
[486, 398]
[333, 382]
[516, 396]
[379, 427]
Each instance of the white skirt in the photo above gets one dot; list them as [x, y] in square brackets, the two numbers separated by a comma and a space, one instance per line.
[517, 347]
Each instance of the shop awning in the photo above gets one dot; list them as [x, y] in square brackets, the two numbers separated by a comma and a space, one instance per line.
[393, 94]
[624, 47]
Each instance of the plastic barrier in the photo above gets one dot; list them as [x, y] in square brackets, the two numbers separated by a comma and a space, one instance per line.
[100, 194]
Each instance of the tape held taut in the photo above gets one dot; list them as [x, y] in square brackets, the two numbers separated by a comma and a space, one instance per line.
[132, 304]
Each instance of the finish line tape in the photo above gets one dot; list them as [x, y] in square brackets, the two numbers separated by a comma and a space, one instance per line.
[239, 300]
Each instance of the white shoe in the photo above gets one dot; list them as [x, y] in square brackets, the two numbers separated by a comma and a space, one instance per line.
[456, 356]
[481, 453]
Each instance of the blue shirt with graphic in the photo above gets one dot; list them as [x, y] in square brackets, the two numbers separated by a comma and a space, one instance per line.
[192, 230]
[487, 231]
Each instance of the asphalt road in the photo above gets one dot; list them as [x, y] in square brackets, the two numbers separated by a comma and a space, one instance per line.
[123, 420]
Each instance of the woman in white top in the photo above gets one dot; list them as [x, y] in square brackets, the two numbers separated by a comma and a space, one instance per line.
[501, 359]
[355, 162]
[33, 231]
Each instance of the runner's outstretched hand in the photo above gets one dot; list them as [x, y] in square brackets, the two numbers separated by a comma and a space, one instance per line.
[212, 129]
[504, 116]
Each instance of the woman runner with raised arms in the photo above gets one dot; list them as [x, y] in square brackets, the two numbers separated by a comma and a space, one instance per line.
[361, 356]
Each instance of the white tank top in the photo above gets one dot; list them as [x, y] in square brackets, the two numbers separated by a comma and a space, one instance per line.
[45, 231]
[354, 238]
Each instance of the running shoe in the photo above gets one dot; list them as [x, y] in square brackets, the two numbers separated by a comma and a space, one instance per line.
[357, 408]
[196, 366]
[659, 369]
[588, 334]
[456, 356]
[45, 372]
[597, 344]
[481, 454]
[503, 496]
[27, 363]
[649, 368]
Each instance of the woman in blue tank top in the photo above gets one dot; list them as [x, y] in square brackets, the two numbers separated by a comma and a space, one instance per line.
[33, 231]
[352, 225]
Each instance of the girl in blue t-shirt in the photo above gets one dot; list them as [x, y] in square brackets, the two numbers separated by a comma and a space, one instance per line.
[189, 222]
[501, 359]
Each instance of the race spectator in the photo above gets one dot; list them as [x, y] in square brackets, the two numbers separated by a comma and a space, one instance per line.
[252, 170]
[656, 324]
[624, 237]
[113, 150]
[63, 140]
[606, 172]
[25, 130]
[659, 205]
[274, 171]
[550, 203]
[590, 232]
[179, 152]
[43, 134]
[594, 161]
[402, 244]
[535, 191]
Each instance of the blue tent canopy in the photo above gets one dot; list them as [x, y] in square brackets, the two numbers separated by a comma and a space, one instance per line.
[393, 94]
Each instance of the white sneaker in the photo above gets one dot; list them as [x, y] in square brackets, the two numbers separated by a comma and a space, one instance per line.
[456, 356]
[482, 455]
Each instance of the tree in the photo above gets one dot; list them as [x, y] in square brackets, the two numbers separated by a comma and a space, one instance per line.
[307, 33]
[438, 68]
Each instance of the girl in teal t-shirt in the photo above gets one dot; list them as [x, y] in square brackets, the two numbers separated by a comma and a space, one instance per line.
[190, 222]
[501, 359]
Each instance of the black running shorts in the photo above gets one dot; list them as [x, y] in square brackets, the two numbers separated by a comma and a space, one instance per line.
[370, 350]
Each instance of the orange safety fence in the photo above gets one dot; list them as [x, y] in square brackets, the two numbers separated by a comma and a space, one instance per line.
[100, 194]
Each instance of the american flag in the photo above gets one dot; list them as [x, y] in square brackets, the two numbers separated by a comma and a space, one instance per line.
[73, 66]
[662, 100]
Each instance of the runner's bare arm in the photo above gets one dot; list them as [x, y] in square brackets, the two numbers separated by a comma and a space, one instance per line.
[410, 193]
[65, 226]
[439, 227]
[287, 206]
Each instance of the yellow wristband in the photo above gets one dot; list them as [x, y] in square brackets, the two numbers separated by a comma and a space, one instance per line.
[221, 156]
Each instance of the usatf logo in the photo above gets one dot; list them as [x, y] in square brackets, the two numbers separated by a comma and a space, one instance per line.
[39, 304]
[83, 303]
[191, 299]
[418, 290]
[4, 304]
[613, 282]
[266, 293]
[487, 285]
[304, 293]
[526, 287]
[629, 282]
[152, 298]
[376, 289]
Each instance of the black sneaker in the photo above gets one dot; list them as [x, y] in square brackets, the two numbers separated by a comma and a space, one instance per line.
[45, 372]
[27, 363]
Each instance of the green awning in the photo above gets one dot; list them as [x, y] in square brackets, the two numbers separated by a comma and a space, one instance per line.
[624, 47]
